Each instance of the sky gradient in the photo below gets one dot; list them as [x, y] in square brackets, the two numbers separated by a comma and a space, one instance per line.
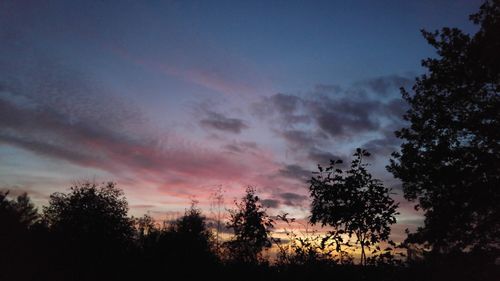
[171, 99]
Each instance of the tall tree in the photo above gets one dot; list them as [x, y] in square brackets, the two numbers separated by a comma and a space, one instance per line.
[353, 203]
[251, 226]
[449, 160]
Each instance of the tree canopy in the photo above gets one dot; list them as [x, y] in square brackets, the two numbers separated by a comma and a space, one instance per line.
[90, 227]
[449, 159]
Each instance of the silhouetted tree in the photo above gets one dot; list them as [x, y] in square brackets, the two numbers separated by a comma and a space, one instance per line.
[91, 211]
[353, 203]
[191, 233]
[20, 212]
[449, 160]
[145, 225]
[18, 245]
[185, 245]
[91, 227]
[147, 233]
[251, 226]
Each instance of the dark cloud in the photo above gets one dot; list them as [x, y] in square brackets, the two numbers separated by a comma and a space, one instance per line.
[295, 172]
[288, 110]
[271, 203]
[285, 104]
[345, 117]
[293, 199]
[361, 114]
[336, 117]
[218, 121]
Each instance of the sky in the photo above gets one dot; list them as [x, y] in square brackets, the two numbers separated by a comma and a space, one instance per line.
[172, 99]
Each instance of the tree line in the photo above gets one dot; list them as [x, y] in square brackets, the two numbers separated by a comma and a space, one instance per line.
[86, 234]
[448, 164]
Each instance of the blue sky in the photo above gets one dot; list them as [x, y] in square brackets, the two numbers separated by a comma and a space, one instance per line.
[172, 98]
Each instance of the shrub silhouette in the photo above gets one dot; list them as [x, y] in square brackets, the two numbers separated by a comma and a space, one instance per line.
[307, 248]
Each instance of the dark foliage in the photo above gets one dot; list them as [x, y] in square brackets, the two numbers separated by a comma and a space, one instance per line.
[449, 161]
[307, 247]
[18, 219]
[353, 203]
[91, 226]
[251, 226]
[182, 245]
[36, 250]
[195, 240]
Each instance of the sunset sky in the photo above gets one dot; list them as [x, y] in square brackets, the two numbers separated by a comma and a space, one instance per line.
[171, 99]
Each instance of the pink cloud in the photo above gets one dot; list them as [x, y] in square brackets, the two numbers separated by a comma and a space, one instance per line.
[173, 166]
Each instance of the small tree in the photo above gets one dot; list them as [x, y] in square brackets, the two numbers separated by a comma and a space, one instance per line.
[353, 203]
[190, 238]
[251, 226]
